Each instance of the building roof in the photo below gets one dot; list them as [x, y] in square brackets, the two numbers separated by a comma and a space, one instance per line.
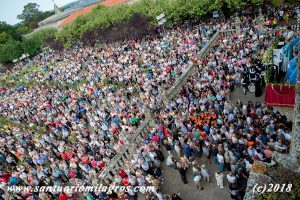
[79, 4]
[88, 9]
[56, 17]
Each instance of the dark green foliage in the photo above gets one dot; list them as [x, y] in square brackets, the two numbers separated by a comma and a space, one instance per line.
[34, 43]
[10, 50]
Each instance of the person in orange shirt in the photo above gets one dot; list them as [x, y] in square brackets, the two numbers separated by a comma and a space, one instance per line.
[250, 143]
[203, 135]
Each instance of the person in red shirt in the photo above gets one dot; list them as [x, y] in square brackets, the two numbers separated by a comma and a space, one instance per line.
[63, 196]
[123, 174]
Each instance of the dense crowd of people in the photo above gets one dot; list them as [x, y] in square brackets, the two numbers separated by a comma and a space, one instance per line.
[83, 104]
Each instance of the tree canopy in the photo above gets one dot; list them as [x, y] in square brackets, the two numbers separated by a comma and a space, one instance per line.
[12, 43]
[31, 15]
[10, 51]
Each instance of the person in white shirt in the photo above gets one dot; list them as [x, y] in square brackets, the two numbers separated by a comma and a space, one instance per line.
[205, 173]
[219, 177]
[231, 178]
[220, 162]
[251, 151]
[169, 161]
[197, 177]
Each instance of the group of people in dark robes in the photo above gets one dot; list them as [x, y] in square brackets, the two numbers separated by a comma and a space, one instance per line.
[252, 79]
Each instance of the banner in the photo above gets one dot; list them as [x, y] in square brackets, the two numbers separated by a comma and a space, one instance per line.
[280, 95]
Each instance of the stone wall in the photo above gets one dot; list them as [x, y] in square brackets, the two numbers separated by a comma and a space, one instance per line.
[295, 146]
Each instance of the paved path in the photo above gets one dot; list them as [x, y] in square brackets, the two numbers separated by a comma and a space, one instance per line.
[173, 183]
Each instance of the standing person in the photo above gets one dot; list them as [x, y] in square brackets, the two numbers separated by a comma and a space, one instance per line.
[214, 152]
[168, 146]
[231, 178]
[220, 162]
[170, 161]
[219, 177]
[258, 85]
[206, 152]
[245, 84]
[233, 191]
[205, 173]
[197, 177]
[182, 170]
[187, 150]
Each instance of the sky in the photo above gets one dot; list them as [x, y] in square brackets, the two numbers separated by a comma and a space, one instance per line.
[9, 9]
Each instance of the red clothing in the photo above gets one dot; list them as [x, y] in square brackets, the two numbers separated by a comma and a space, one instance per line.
[5, 178]
[155, 138]
[102, 164]
[166, 132]
[63, 156]
[72, 174]
[70, 155]
[122, 174]
[85, 160]
[63, 197]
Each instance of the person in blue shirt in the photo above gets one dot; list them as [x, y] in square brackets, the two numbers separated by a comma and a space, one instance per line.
[116, 120]
[291, 75]
[206, 128]
[286, 54]
[296, 43]
[13, 181]
[187, 150]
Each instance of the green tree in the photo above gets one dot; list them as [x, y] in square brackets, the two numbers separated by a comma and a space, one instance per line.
[22, 29]
[29, 12]
[32, 15]
[10, 50]
[4, 37]
[31, 46]
[34, 43]
[10, 30]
